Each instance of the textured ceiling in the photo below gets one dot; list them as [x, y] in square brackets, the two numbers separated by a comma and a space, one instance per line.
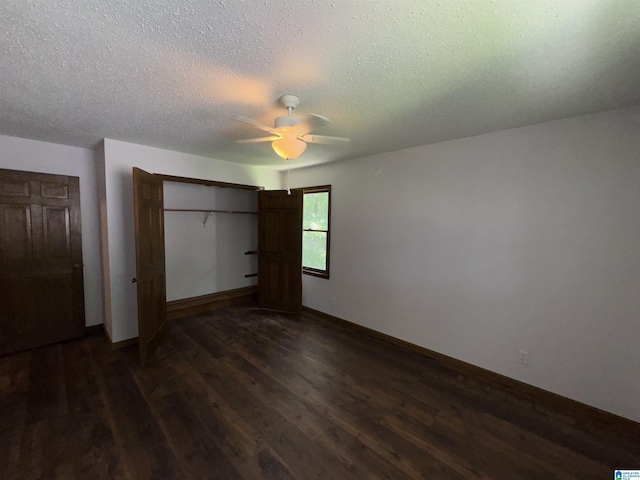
[389, 74]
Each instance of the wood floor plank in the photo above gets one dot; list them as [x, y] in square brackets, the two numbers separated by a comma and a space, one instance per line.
[418, 432]
[12, 422]
[14, 373]
[95, 452]
[242, 444]
[245, 393]
[144, 445]
[356, 456]
[527, 418]
[270, 467]
[445, 376]
[349, 409]
[196, 449]
[299, 452]
[14, 383]
[558, 457]
[44, 450]
[318, 357]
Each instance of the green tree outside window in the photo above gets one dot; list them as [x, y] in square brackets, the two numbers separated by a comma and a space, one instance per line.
[315, 235]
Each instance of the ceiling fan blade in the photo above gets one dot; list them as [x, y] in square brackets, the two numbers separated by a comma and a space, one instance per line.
[255, 123]
[324, 139]
[258, 140]
[312, 122]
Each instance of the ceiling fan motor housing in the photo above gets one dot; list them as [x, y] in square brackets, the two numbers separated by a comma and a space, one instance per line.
[286, 121]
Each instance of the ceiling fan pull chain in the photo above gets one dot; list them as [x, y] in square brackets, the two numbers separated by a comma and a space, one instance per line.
[288, 174]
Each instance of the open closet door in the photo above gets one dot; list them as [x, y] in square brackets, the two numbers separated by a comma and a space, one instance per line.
[150, 267]
[280, 250]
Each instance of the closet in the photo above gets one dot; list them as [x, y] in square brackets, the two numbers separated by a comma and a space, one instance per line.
[211, 246]
[202, 244]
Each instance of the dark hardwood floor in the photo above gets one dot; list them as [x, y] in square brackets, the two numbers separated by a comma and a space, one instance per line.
[242, 393]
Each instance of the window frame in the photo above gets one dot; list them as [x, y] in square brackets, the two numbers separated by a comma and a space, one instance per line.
[309, 270]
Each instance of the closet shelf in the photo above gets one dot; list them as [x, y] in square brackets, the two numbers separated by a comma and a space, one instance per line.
[203, 210]
[207, 213]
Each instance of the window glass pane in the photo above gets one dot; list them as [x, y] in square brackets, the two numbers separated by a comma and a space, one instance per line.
[316, 211]
[314, 250]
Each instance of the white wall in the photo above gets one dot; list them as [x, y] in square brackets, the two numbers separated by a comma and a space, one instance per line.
[476, 248]
[120, 157]
[203, 258]
[41, 157]
[104, 235]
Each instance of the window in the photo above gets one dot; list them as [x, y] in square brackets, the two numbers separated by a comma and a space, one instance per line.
[315, 231]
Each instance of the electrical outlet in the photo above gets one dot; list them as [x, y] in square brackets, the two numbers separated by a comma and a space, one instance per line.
[523, 357]
[333, 301]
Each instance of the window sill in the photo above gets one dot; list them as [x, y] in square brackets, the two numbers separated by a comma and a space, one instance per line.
[315, 273]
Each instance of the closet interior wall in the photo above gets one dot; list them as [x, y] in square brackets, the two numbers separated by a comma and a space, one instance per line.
[208, 232]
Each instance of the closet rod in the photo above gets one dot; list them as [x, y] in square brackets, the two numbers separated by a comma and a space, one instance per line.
[205, 210]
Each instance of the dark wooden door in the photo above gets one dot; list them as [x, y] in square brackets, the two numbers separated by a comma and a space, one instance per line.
[150, 269]
[41, 285]
[280, 250]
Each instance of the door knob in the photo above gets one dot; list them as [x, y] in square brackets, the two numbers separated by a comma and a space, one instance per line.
[134, 280]
[76, 266]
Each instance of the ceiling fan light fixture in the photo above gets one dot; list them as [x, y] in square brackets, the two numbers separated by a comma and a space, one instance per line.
[289, 147]
[291, 134]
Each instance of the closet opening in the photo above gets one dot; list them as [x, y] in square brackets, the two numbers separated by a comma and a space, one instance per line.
[211, 244]
[202, 245]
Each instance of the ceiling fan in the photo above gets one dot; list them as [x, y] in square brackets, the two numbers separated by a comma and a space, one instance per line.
[290, 134]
